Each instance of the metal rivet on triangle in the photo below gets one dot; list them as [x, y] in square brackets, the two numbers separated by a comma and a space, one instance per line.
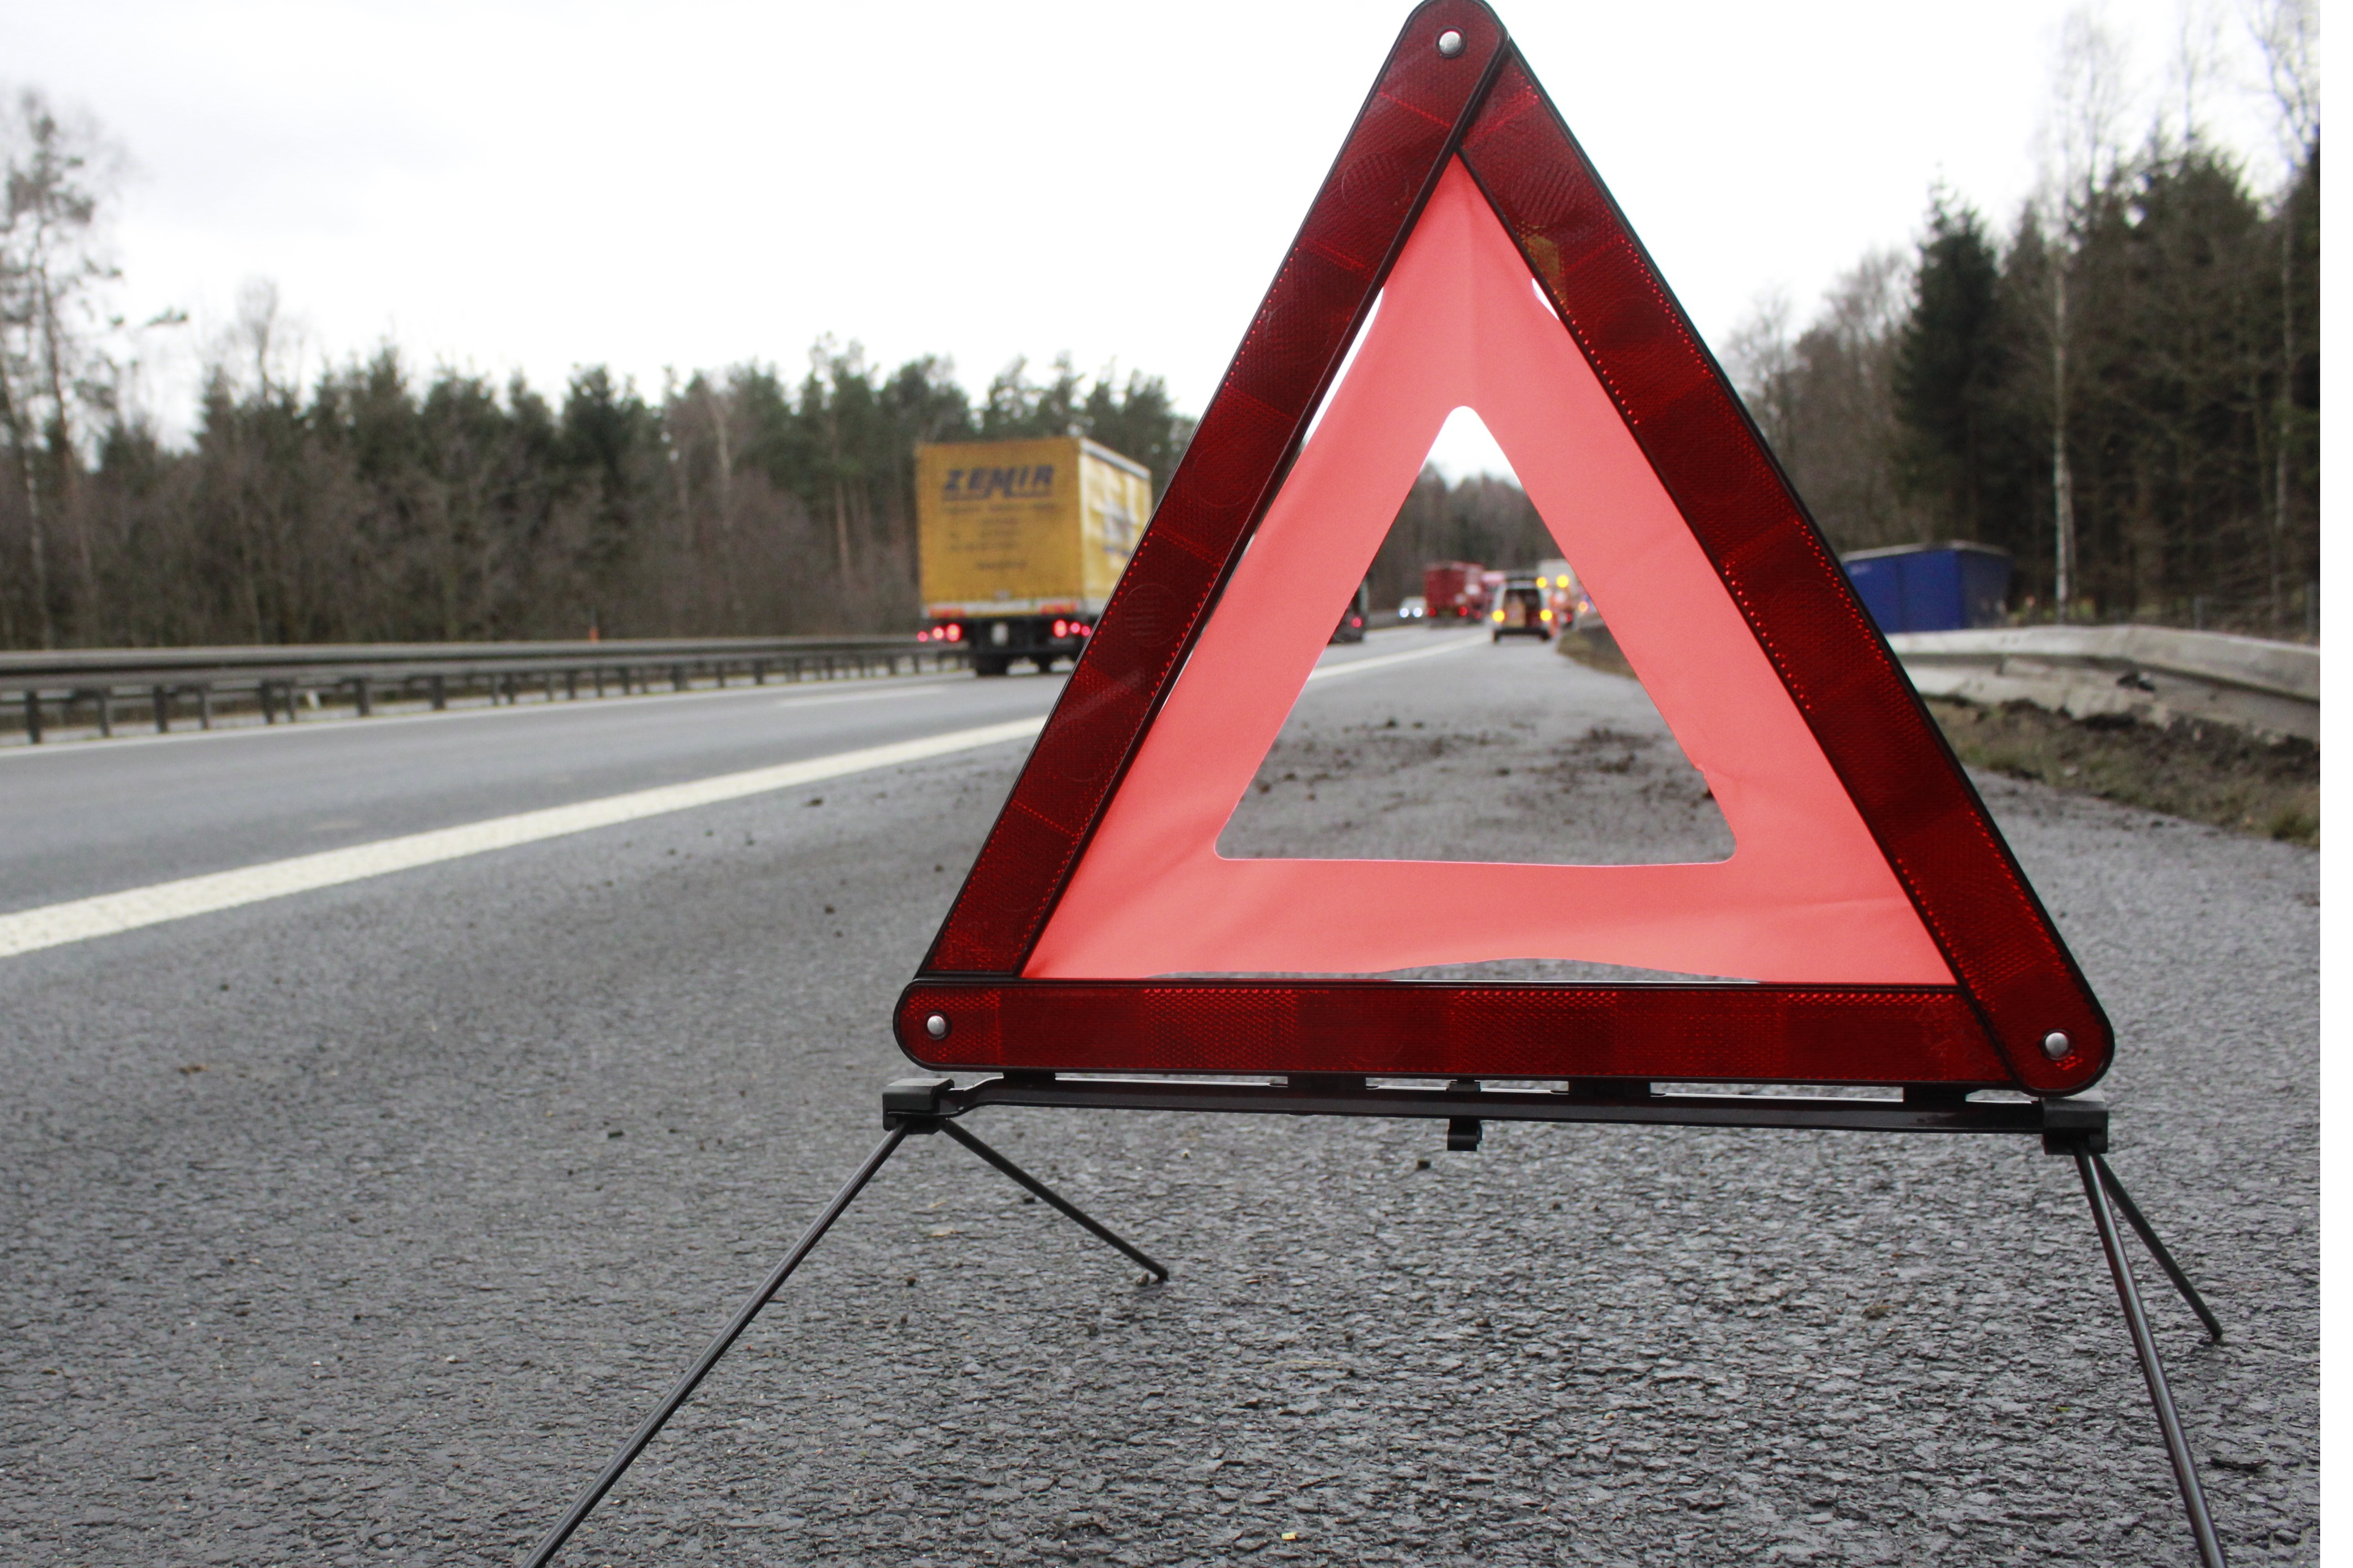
[2056, 1045]
[1450, 43]
[936, 1025]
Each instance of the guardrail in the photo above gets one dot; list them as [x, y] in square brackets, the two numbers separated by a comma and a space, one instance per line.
[2150, 674]
[167, 681]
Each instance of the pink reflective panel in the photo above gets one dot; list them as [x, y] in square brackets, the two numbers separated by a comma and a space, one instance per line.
[1806, 897]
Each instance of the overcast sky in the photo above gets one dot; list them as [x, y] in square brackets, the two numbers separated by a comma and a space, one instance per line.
[537, 186]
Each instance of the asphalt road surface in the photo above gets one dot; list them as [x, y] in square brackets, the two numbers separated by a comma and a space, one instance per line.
[357, 1226]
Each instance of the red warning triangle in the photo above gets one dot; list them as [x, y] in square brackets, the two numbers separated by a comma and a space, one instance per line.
[1889, 935]
[1806, 897]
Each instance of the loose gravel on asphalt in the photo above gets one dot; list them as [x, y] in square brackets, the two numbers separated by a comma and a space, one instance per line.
[357, 1228]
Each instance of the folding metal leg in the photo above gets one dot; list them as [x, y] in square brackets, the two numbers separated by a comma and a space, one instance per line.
[553, 1541]
[2168, 1419]
[1042, 1190]
[2116, 1190]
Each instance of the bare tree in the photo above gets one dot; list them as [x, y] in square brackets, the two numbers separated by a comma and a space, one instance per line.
[2081, 150]
[2197, 56]
[263, 349]
[53, 269]
[2287, 34]
[1820, 397]
[1763, 360]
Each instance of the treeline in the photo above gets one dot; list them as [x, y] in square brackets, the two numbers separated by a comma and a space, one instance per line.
[2122, 389]
[373, 503]
[379, 506]
[1484, 519]
[2120, 386]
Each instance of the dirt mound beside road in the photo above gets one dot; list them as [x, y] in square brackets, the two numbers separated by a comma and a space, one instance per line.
[2203, 772]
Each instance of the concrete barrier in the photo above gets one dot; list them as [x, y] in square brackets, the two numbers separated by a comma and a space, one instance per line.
[2154, 675]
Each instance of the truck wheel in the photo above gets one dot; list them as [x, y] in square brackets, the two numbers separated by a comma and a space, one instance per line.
[987, 664]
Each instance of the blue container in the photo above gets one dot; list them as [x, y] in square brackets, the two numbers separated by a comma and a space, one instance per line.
[1931, 587]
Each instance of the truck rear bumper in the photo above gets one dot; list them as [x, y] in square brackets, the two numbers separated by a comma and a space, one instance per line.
[996, 641]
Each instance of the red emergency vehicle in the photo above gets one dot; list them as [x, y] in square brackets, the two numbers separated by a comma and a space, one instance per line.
[1454, 591]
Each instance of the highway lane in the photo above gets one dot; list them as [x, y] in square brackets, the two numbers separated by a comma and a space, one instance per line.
[84, 819]
[356, 1226]
[99, 817]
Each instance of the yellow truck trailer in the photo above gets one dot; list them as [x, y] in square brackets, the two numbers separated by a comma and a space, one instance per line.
[1021, 543]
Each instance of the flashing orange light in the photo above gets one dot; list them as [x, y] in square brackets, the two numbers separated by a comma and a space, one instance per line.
[1548, 617]
[1497, 616]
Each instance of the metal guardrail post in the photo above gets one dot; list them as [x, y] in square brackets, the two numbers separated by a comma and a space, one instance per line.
[33, 716]
[161, 698]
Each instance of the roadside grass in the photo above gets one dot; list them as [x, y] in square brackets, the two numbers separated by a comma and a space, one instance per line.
[1595, 650]
[2206, 772]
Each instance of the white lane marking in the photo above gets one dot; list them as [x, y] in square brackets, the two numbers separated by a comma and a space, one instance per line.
[56, 924]
[1383, 661]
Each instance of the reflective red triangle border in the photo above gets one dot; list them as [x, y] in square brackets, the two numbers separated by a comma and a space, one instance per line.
[2019, 985]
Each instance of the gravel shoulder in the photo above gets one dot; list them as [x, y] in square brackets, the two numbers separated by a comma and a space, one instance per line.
[357, 1228]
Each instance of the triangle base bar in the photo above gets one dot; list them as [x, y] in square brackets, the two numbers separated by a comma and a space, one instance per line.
[1714, 1033]
[2077, 1129]
[1936, 1108]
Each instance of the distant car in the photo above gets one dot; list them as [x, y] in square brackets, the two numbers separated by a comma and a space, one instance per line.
[1521, 611]
[1561, 592]
[1412, 608]
[1351, 619]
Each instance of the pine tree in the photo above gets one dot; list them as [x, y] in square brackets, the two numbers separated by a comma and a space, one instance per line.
[1949, 363]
